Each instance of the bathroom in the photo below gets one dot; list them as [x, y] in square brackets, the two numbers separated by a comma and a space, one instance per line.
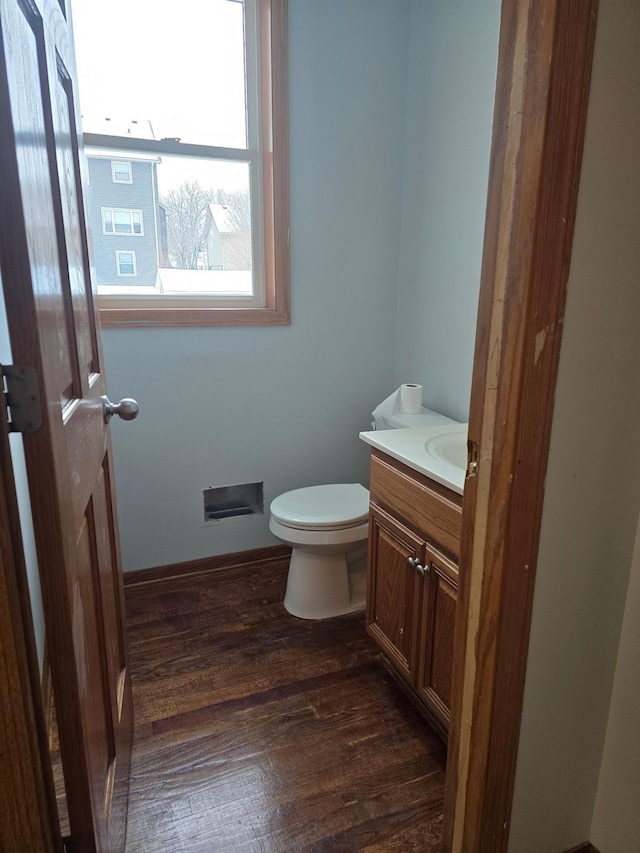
[389, 157]
[390, 122]
[383, 196]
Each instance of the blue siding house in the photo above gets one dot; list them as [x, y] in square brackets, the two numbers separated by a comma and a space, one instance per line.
[126, 220]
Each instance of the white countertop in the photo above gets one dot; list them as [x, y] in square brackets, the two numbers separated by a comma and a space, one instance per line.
[439, 452]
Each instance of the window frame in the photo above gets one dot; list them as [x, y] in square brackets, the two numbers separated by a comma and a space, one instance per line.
[269, 19]
[131, 211]
[116, 180]
[134, 261]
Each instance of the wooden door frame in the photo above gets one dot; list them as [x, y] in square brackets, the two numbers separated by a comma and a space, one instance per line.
[544, 64]
[28, 811]
[544, 72]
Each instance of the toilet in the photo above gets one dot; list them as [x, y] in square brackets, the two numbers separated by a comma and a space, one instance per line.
[326, 527]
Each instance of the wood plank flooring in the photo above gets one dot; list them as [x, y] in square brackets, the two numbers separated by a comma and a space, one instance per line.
[256, 731]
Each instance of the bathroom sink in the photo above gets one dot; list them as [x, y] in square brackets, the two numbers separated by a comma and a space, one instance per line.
[440, 452]
[449, 448]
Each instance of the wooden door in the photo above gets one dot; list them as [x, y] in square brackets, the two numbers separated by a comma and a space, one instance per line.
[436, 643]
[54, 329]
[393, 590]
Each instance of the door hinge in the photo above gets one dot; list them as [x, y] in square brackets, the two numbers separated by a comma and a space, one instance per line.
[472, 460]
[21, 397]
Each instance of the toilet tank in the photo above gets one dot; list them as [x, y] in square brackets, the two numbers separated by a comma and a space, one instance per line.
[399, 420]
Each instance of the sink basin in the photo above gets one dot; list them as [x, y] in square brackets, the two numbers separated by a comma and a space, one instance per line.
[440, 452]
[449, 448]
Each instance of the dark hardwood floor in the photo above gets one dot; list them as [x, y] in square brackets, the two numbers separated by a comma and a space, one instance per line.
[256, 731]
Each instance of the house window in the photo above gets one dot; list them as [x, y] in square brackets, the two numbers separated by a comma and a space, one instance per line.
[215, 193]
[121, 172]
[126, 263]
[121, 221]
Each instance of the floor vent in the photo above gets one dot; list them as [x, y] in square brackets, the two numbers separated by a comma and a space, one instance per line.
[232, 501]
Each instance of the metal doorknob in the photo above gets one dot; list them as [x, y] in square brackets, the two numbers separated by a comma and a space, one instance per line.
[127, 409]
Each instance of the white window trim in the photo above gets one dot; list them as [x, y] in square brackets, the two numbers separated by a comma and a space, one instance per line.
[117, 180]
[130, 211]
[135, 265]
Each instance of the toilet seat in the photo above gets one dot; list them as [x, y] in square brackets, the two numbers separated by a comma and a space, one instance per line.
[330, 507]
[320, 536]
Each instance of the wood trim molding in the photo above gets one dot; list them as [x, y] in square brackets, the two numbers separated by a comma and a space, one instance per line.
[218, 563]
[544, 67]
[587, 847]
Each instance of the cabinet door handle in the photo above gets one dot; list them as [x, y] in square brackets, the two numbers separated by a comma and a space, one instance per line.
[414, 563]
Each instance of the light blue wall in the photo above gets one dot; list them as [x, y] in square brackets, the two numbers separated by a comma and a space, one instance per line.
[283, 405]
[453, 59]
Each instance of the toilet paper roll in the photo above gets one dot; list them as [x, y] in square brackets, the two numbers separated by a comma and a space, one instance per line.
[411, 399]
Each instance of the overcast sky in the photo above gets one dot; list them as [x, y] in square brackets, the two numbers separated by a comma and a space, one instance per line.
[150, 59]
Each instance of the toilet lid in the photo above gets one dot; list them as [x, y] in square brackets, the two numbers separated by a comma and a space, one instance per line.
[333, 506]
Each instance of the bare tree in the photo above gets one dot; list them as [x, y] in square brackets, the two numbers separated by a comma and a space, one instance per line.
[238, 208]
[186, 208]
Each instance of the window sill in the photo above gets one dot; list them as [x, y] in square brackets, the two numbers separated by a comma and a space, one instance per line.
[150, 317]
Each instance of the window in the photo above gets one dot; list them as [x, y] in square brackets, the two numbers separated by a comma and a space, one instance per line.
[126, 263]
[121, 172]
[121, 221]
[210, 143]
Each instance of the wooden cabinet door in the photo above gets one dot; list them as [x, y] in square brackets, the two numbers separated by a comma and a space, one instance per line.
[393, 590]
[436, 644]
[54, 329]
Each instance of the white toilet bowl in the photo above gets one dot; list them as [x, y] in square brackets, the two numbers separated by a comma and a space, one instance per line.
[326, 527]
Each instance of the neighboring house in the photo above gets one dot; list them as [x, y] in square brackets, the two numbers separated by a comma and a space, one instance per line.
[226, 246]
[125, 218]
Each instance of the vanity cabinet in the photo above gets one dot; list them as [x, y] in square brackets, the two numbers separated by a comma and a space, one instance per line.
[393, 592]
[412, 579]
[438, 618]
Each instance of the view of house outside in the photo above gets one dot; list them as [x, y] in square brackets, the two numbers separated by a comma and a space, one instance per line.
[150, 217]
